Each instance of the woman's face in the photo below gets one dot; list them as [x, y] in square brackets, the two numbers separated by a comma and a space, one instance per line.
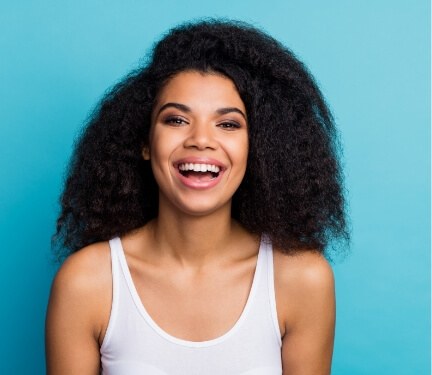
[198, 142]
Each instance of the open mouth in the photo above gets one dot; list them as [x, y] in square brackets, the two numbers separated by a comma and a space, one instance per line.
[199, 172]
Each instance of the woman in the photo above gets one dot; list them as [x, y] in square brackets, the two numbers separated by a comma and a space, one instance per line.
[201, 198]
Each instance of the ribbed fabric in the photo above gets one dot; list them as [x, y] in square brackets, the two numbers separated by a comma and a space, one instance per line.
[135, 345]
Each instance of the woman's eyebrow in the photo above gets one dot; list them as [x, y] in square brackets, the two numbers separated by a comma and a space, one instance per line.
[185, 108]
[223, 111]
[182, 107]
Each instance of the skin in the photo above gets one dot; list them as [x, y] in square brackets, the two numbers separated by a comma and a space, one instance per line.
[189, 267]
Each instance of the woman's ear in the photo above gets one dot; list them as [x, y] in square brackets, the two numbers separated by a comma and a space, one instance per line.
[145, 153]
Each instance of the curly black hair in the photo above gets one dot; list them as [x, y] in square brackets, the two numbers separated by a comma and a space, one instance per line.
[293, 186]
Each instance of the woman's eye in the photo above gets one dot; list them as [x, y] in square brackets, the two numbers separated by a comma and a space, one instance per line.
[229, 125]
[175, 121]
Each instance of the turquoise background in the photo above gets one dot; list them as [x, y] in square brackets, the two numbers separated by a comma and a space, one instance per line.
[372, 61]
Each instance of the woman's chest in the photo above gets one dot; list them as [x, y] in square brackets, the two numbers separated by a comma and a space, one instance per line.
[195, 307]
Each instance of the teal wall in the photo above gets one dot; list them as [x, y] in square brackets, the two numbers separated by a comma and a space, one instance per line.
[372, 61]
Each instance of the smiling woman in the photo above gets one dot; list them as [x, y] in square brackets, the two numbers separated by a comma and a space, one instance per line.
[198, 204]
[198, 120]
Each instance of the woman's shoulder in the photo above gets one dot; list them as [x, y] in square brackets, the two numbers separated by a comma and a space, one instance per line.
[303, 269]
[81, 292]
[87, 268]
[304, 283]
[79, 308]
[84, 281]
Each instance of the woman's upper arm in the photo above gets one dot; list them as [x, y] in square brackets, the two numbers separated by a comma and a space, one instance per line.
[307, 313]
[77, 310]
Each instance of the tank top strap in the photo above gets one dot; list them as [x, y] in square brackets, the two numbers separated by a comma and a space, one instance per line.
[267, 248]
[115, 250]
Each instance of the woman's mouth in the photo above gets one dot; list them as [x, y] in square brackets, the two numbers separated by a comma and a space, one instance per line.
[199, 172]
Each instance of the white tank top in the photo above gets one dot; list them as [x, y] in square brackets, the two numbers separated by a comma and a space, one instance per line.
[135, 345]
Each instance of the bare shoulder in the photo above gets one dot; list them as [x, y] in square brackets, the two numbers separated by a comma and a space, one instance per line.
[78, 311]
[86, 270]
[305, 302]
[82, 288]
[307, 270]
[303, 282]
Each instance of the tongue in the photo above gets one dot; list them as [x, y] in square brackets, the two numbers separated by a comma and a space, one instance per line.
[200, 176]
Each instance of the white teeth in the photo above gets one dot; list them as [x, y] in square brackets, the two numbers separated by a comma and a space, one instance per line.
[198, 167]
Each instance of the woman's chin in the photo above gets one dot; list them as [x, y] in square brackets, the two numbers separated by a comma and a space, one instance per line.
[201, 208]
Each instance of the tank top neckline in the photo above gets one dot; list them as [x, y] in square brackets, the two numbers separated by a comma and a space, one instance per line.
[194, 344]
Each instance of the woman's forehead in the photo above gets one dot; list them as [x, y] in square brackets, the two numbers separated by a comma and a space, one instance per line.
[200, 89]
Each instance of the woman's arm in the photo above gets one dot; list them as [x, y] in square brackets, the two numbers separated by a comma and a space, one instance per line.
[78, 312]
[306, 309]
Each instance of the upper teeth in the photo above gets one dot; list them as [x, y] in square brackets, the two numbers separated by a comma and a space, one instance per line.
[199, 167]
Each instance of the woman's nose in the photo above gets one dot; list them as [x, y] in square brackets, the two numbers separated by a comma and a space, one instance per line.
[201, 137]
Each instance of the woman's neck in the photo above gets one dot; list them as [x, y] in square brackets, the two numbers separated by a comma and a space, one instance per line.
[194, 240]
